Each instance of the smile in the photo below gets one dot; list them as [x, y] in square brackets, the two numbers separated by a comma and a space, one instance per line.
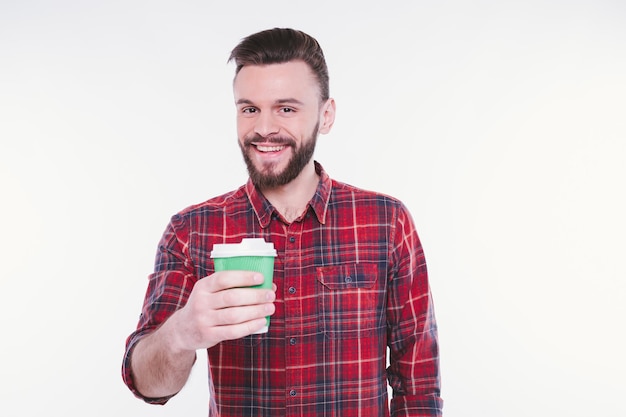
[261, 148]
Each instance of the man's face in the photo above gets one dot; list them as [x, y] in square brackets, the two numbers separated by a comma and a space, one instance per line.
[279, 115]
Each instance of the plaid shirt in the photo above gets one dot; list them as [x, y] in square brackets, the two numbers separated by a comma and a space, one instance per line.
[352, 281]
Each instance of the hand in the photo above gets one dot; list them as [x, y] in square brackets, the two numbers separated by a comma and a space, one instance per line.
[221, 307]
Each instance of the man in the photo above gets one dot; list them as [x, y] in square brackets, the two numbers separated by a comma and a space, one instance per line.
[350, 276]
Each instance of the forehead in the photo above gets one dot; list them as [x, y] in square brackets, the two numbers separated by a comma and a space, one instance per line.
[275, 82]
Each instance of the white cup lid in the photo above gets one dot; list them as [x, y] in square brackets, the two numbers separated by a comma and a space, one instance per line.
[247, 247]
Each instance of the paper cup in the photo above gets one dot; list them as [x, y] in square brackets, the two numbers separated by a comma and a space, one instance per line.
[251, 254]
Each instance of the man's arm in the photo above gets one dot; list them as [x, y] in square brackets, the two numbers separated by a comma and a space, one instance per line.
[412, 334]
[159, 368]
[220, 307]
[182, 314]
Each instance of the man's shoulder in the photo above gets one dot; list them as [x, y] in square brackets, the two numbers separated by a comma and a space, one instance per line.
[218, 203]
[342, 190]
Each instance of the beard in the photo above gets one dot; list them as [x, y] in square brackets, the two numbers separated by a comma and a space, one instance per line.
[266, 177]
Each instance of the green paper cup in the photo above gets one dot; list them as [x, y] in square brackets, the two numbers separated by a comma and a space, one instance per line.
[252, 254]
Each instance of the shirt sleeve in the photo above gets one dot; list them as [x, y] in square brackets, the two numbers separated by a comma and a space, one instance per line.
[412, 331]
[168, 290]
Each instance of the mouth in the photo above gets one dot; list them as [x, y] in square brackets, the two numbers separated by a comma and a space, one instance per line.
[269, 148]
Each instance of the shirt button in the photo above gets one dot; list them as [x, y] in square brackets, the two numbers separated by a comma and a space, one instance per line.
[292, 239]
[292, 341]
[348, 279]
[292, 290]
[292, 392]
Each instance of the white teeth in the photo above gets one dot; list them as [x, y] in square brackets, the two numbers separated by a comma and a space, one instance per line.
[270, 148]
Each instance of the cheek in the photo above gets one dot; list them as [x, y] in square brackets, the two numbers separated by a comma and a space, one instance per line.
[300, 126]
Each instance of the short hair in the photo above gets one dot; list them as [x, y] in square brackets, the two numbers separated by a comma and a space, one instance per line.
[280, 45]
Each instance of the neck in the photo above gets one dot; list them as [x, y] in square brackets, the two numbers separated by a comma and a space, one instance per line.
[291, 199]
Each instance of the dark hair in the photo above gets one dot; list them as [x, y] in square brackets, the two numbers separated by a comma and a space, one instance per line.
[278, 45]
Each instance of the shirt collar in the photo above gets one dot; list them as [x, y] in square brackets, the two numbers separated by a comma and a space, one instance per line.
[318, 204]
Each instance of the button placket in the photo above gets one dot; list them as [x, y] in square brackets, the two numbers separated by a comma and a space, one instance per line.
[293, 354]
[291, 239]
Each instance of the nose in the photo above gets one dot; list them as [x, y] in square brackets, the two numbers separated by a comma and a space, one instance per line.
[265, 124]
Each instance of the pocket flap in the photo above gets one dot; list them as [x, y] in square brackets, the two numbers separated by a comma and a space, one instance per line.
[347, 276]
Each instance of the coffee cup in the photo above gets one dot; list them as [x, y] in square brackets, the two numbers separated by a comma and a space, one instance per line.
[251, 254]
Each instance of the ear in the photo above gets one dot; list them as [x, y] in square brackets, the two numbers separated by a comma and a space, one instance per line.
[327, 116]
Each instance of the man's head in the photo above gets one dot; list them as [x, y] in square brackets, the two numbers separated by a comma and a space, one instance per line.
[277, 46]
[279, 90]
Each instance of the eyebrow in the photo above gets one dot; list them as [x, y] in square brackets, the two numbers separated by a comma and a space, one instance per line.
[279, 102]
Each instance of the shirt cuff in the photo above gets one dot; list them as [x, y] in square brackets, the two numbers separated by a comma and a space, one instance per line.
[416, 406]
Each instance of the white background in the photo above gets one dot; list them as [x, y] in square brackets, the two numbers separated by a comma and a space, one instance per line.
[500, 124]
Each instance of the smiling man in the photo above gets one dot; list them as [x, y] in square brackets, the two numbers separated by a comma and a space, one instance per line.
[350, 278]
[280, 112]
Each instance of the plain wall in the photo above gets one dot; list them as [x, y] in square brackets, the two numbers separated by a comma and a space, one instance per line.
[500, 124]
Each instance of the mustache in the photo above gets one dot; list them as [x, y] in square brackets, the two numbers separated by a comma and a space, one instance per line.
[276, 140]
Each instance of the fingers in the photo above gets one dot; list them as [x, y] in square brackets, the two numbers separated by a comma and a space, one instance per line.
[230, 314]
[237, 331]
[222, 306]
[233, 316]
[231, 279]
[226, 289]
[233, 322]
[236, 297]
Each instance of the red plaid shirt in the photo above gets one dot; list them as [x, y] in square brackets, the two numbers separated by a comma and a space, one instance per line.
[352, 281]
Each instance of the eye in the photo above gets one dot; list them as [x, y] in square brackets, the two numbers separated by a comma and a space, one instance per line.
[248, 110]
[287, 110]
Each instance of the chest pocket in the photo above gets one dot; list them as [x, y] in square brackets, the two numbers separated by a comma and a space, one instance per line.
[351, 301]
